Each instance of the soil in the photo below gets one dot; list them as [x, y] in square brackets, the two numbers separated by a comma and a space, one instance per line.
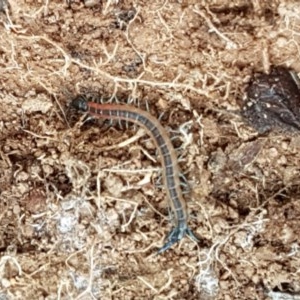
[81, 210]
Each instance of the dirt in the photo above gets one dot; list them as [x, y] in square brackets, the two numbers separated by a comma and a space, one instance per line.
[81, 212]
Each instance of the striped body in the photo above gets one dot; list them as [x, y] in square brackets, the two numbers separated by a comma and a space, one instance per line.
[167, 153]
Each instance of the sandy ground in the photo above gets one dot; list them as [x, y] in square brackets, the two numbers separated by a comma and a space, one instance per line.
[81, 213]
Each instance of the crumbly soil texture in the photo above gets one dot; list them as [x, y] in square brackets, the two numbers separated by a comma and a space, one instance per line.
[82, 209]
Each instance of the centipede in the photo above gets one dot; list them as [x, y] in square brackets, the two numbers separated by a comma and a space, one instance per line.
[167, 153]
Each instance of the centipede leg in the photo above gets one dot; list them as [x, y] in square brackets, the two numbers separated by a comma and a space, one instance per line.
[147, 106]
[160, 116]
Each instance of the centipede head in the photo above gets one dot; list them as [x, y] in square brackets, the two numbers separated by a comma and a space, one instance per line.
[80, 103]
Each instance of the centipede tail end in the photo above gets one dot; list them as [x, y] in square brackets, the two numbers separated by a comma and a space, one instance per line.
[175, 236]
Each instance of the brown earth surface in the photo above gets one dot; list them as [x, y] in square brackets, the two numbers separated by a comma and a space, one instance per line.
[81, 215]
